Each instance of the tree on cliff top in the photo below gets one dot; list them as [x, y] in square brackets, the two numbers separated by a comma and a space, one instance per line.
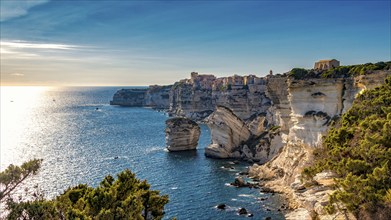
[341, 71]
[358, 149]
[13, 176]
[124, 198]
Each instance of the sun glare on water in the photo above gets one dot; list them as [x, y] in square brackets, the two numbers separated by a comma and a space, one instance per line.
[19, 105]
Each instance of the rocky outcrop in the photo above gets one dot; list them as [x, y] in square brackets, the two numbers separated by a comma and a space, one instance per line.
[228, 132]
[182, 134]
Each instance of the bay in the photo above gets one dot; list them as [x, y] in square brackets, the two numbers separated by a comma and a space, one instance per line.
[78, 135]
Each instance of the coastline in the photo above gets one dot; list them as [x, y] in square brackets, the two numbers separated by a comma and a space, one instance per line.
[284, 118]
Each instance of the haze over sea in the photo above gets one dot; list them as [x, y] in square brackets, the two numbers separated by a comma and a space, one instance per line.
[78, 135]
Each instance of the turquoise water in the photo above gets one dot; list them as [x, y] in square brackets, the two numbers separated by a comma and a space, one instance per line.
[78, 134]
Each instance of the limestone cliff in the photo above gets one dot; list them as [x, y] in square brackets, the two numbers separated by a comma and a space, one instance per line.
[228, 132]
[182, 134]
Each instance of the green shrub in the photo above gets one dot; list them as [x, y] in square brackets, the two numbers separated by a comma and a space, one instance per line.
[298, 73]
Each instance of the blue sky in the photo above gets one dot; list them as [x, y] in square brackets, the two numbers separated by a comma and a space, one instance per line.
[159, 42]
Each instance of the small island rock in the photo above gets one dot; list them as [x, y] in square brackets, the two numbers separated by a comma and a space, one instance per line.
[182, 134]
[242, 211]
[221, 206]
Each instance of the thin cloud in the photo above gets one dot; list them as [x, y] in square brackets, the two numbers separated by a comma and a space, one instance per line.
[31, 50]
[14, 9]
[30, 45]
[17, 74]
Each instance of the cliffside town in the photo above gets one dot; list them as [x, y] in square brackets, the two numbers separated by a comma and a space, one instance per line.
[197, 97]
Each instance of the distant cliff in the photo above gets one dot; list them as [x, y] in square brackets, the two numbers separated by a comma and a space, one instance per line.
[155, 96]
[129, 97]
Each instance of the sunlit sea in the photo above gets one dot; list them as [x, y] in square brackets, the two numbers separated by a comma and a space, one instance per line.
[78, 135]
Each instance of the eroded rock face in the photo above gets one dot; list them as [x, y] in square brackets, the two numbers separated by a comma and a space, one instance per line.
[313, 104]
[182, 134]
[233, 138]
[228, 132]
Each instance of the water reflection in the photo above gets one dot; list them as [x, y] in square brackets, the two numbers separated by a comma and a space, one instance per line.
[18, 114]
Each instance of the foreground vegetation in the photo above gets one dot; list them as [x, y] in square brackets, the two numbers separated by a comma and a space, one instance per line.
[340, 72]
[358, 149]
[123, 198]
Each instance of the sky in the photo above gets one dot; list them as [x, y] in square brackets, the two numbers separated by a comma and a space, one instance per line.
[138, 43]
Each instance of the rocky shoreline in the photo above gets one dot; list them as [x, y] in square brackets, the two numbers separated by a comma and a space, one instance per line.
[276, 121]
[276, 202]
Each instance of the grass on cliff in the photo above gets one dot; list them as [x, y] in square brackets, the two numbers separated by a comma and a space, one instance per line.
[358, 149]
[341, 71]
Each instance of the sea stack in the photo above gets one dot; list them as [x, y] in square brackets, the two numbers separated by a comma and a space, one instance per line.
[182, 134]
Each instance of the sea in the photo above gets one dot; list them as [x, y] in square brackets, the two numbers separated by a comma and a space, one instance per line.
[81, 139]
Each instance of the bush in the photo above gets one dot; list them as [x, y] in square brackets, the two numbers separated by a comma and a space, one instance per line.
[298, 73]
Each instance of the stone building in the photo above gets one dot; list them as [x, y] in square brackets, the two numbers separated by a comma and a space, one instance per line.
[249, 80]
[202, 81]
[326, 64]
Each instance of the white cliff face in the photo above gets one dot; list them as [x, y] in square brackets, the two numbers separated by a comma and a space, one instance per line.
[227, 132]
[182, 134]
[313, 104]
